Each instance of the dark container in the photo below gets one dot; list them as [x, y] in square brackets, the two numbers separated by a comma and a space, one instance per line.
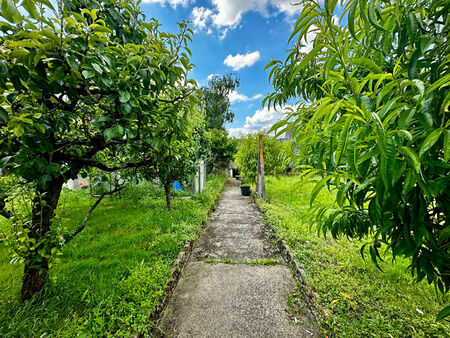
[245, 190]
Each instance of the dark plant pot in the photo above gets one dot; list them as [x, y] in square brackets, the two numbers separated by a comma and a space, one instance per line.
[245, 190]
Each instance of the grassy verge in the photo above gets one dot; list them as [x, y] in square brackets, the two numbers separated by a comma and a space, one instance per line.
[354, 297]
[112, 274]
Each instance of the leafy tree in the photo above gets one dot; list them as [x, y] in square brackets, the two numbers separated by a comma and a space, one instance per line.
[275, 155]
[222, 149]
[376, 124]
[181, 147]
[216, 101]
[82, 85]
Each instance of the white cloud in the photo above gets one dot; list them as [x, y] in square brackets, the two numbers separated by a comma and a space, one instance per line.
[210, 76]
[200, 16]
[172, 3]
[237, 132]
[262, 119]
[239, 61]
[238, 97]
[286, 6]
[307, 44]
[227, 14]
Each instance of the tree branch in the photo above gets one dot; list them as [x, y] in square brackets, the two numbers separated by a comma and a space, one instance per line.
[104, 167]
[97, 202]
[176, 98]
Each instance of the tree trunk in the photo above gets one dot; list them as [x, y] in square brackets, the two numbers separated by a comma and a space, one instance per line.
[168, 197]
[33, 278]
[36, 267]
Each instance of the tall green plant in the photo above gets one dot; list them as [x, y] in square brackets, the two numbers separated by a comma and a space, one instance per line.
[373, 122]
[275, 155]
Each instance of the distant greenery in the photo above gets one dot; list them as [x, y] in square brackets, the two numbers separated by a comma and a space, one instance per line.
[222, 149]
[276, 156]
[216, 101]
[354, 298]
[108, 278]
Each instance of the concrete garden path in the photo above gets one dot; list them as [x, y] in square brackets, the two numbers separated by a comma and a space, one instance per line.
[214, 299]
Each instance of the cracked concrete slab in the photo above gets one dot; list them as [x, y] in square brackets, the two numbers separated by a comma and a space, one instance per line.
[234, 300]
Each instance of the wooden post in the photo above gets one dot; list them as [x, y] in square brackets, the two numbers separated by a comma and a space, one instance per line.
[261, 184]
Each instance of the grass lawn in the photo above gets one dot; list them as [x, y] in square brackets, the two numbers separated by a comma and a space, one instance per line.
[112, 274]
[353, 297]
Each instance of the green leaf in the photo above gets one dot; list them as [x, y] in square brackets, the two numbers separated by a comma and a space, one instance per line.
[97, 68]
[412, 157]
[46, 3]
[40, 127]
[52, 36]
[387, 89]
[72, 62]
[413, 64]
[108, 134]
[343, 140]
[329, 65]
[319, 187]
[351, 19]
[18, 130]
[124, 96]
[446, 145]
[446, 103]
[10, 11]
[430, 141]
[368, 64]
[411, 25]
[442, 82]
[30, 8]
[3, 115]
[307, 58]
[385, 109]
[444, 313]
[381, 135]
[372, 15]
[87, 73]
[364, 184]
[409, 182]
[4, 68]
[388, 162]
[373, 255]
[102, 29]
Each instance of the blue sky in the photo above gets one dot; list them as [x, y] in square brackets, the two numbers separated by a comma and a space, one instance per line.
[238, 36]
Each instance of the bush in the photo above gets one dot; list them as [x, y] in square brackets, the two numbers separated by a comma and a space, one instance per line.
[275, 155]
[223, 148]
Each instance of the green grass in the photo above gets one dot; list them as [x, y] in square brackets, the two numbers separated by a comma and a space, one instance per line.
[112, 274]
[352, 296]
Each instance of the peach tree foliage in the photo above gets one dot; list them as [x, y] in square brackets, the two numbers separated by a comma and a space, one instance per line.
[83, 85]
[372, 122]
